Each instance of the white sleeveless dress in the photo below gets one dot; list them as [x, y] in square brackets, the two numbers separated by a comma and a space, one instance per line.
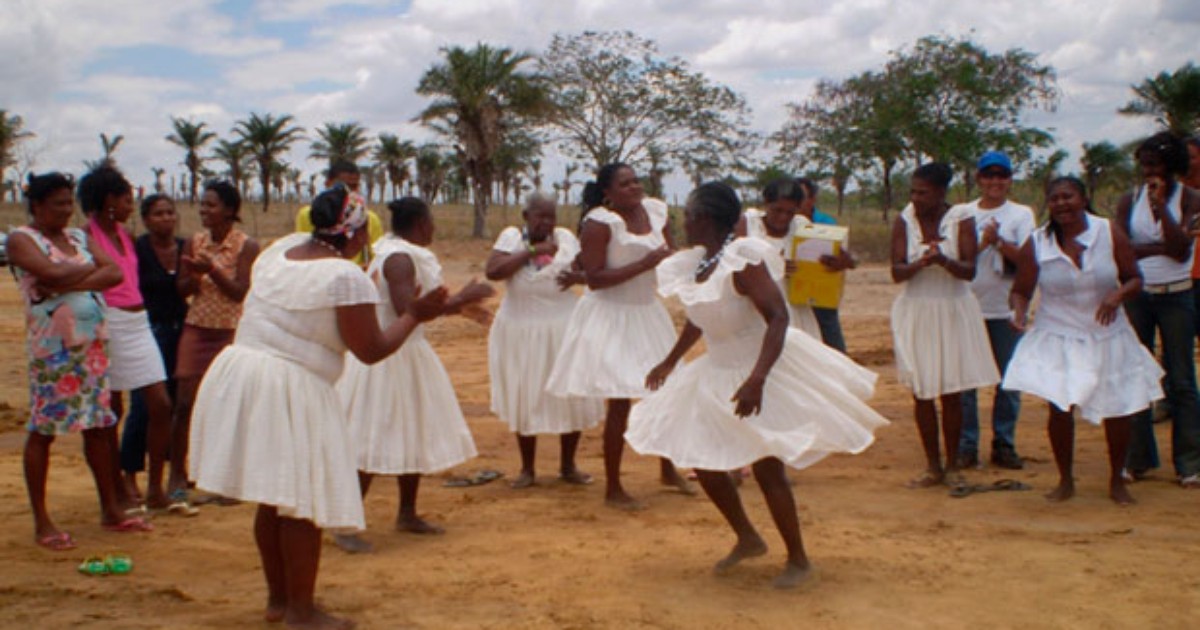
[813, 399]
[802, 315]
[618, 334]
[526, 335]
[403, 415]
[1067, 357]
[268, 426]
[940, 341]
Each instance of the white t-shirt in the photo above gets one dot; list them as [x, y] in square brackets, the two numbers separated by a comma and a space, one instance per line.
[991, 285]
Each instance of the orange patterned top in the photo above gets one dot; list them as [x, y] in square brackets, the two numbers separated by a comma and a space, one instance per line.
[210, 308]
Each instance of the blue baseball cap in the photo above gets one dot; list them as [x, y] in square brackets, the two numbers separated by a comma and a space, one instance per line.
[994, 158]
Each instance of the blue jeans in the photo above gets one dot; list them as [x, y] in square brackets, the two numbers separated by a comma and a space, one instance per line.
[133, 438]
[831, 328]
[1173, 315]
[1007, 405]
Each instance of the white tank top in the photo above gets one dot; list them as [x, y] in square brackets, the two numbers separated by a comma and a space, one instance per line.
[1070, 294]
[1144, 230]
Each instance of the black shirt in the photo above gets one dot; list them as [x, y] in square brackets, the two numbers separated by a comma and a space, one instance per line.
[163, 303]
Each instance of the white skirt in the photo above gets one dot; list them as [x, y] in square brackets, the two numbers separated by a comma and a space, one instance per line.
[610, 347]
[1105, 377]
[941, 346]
[268, 430]
[521, 355]
[813, 405]
[134, 360]
[802, 317]
[403, 414]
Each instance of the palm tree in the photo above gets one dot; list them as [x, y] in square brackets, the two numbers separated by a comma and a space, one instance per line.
[1172, 98]
[478, 96]
[158, 183]
[236, 157]
[191, 137]
[393, 155]
[340, 142]
[108, 145]
[1042, 171]
[12, 132]
[431, 172]
[568, 171]
[266, 138]
[295, 177]
[1101, 161]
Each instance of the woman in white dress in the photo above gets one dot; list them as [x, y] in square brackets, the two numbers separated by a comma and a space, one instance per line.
[619, 329]
[1081, 351]
[763, 394]
[268, 426]
[526, 335]
[940, 342]
[776, 224]
[403, 414]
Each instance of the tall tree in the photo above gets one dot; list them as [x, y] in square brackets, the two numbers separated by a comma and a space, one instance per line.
[108, 146]
[236, 157]
[1043, 170]
[191, 137]
[822, 135]
[266, 138]
[878, 110]
[615, 96]
[393, 154]
[1172, 98]
[1102, 162]
[431, 172]
[338, 142]
[479, 95]
[12, 133]
[158, 175]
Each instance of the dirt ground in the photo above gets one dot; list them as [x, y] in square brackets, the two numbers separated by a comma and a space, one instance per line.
[554, 557]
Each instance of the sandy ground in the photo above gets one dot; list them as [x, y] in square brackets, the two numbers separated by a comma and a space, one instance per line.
[554, 557]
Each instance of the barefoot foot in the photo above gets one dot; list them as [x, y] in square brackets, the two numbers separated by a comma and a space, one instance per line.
[744, 549]
[576, 477]
[621, 501]
[523, 480]
[926, 479]
[416, 525]
[1119, 493]
[317, 620]
[676, 480]
[352, 543]
[275, 612]
[1061, 493]
[793, 575]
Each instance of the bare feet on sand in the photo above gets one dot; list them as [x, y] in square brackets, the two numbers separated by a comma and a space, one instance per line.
[1064, 491]
[416, 525]
[1119, 493]
[576, 477]
[794, 575]
[352, 543]
[926, 479]
[621, 501]
[743, 549]
[523, 480]
[318, 620]
[676, 480]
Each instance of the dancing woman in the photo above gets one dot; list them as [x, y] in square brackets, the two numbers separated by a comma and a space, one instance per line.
[619, 330]
[763, 394]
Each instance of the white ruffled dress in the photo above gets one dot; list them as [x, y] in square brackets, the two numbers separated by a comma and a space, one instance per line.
[268, 426]
[1067, 357]
[525, 338]
[813, 399]
[940, 341]
[617, 334]
[403, 414]
[801, 315]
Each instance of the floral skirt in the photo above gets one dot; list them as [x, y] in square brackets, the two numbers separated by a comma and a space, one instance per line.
[68, 390]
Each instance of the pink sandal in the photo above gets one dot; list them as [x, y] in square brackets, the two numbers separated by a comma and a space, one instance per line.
[135, 524]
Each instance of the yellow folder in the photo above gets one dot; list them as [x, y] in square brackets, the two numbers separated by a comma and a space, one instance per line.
[811, 283]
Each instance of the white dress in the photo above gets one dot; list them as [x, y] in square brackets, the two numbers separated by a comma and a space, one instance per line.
[940, 341]
[802, 315]
[268, 426]
[402, 412]
[525, 337]
[1067, 357]
[813, 400]
[616, 335]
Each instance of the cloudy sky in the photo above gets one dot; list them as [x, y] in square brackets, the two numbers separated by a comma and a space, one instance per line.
[75, 68]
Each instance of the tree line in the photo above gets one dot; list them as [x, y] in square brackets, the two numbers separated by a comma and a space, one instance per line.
[600, 97]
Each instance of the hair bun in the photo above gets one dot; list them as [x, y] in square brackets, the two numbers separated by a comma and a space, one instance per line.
[327, 207]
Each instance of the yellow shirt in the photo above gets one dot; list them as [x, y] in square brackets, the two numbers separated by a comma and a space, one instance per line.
[374, 231]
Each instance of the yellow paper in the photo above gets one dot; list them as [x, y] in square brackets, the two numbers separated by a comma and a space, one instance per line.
[812, 283]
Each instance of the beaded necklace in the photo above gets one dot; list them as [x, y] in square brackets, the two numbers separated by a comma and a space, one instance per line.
[336, 252]
[707, 263]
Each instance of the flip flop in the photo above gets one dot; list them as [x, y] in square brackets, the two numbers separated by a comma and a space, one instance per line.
[478, 479]
[58, 541]
[182, 508]
[135, 524]
[118, 564]
[1001, 485]
[93, 566]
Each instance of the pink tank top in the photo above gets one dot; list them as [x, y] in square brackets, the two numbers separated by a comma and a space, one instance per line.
[127, 294]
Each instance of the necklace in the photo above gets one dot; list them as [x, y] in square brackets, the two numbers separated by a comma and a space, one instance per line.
[707, 263]
[329, 246]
